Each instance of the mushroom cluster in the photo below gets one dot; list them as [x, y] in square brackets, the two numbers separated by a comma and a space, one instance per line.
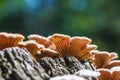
[63, 45]
[10, 40]
[60, 45]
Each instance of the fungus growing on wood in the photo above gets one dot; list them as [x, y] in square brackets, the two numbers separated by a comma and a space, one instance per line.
[113, 64]
[103, 58]
[109, 74]
[32, 46]
[46, 52]
[64, 45]
[10, 39]
[79, 47]
[38, 50]
[104, 74]
[39, 39]
[60, 43]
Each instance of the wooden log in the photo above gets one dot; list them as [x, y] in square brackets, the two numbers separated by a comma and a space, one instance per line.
[18, 64]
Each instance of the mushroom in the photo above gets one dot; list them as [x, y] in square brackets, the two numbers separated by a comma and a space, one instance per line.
[10, 39]
[39, 39]
[81, 48]
[103, 58]
[38, 50]
[65, 45]
[115, 73]
[104, 74]
[74, 46]
[60, 43]
[46, 52]
[32, 46]
[112, 64]
[109, 74]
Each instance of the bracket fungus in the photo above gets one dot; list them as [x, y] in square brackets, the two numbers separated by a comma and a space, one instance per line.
[60, 55]
[37, 50]
[65, 45]
[78, 47]
[46, 52]
[33, 47]
[60, 43]
[109, 74]
[10, 39]
[103, 58]
[39, 39]
[112, 64]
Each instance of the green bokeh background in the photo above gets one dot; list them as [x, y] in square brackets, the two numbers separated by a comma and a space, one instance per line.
[96, 19]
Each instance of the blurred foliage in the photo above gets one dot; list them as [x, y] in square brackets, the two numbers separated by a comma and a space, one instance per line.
[96, 19]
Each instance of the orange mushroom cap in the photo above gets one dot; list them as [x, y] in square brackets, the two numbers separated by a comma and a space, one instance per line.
[115, 73]
[60, 43]
[112, 64]
[39, 39]
[10, 39]
[46, 52]
[109, 74]
[32, 46]
[103, 58]
[104, 74]
[79, 47]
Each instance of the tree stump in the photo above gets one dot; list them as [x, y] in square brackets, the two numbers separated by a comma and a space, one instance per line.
[18, 64]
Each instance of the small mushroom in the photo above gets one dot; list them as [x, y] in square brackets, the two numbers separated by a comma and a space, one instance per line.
[39, 39]
[46, 52]
[104, 74]
[32, 46]
[109, 74]
[10, 39]
[79, 47]
[115, 73]
[103, 58]
[60, 43]
[113, 63]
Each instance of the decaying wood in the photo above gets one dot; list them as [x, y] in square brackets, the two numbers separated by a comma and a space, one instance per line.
[64, 66]
[52, 68]
[18, 64]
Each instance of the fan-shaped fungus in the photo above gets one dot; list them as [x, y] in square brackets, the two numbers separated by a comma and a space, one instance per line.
[32, 46]
[10, 39]
[113, 64]
[39, 39]
[109, 74]
[74, 46]
[46, 52]
[103, 58]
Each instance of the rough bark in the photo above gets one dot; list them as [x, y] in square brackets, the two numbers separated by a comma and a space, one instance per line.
[62, 66]
[18, 64]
